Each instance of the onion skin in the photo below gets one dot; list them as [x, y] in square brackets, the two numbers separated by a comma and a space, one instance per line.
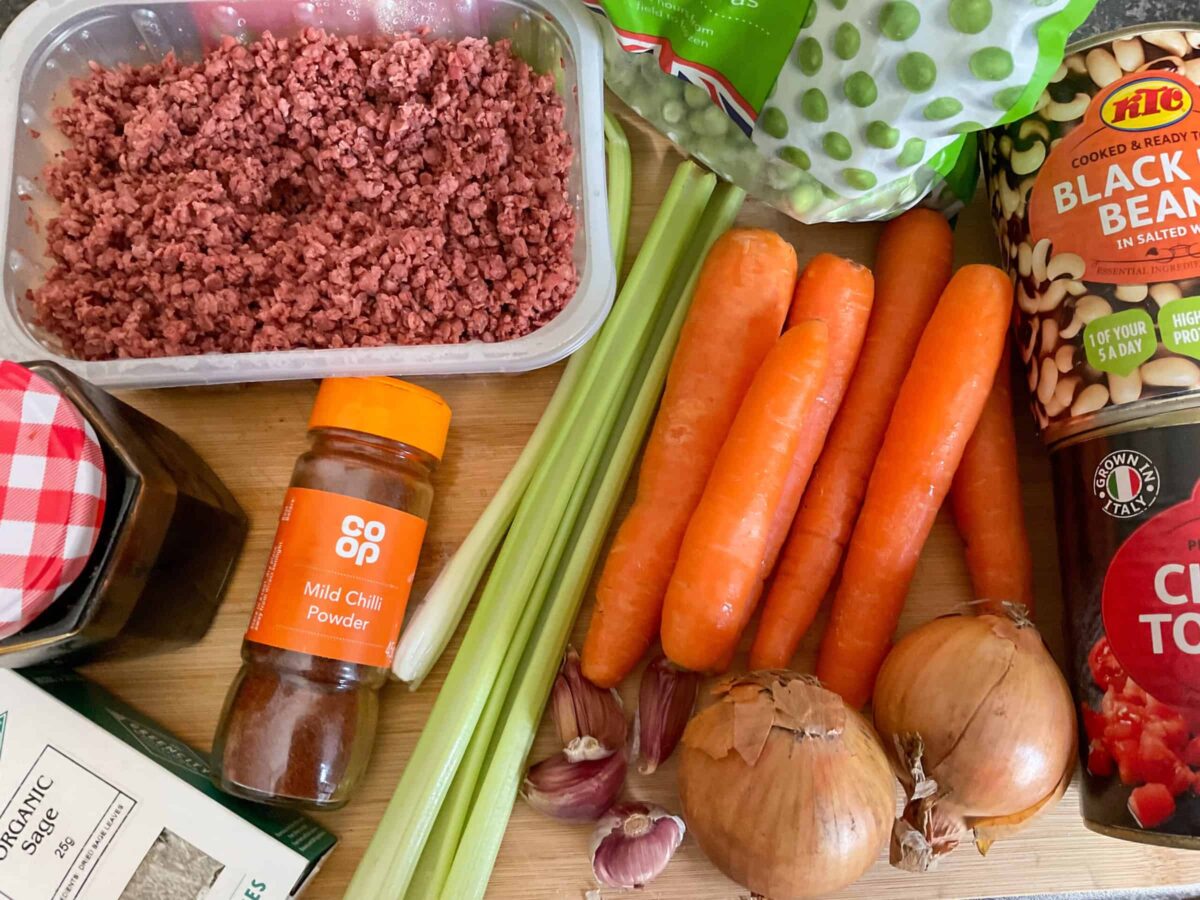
[993, 709]
[993, 724]
[786, 789]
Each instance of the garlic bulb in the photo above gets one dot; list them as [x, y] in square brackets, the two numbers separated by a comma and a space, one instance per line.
[633, 843]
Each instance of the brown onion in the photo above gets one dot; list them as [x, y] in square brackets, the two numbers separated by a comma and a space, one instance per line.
[786, 789]
[981, 726]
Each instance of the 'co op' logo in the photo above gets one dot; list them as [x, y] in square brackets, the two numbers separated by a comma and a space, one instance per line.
[1145, 104]
[360, 540]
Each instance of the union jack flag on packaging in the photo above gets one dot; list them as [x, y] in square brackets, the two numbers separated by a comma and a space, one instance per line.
[836, 110]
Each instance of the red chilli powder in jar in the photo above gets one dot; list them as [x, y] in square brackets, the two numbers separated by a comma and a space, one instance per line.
[300, 718]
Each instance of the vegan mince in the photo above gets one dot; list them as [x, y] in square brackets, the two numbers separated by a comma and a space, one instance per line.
[311, 192]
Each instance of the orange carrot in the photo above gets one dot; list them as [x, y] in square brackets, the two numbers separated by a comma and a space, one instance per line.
[839, 292]
[938, 407]
[715, 581]
[912, 266]
[986, 497]
[737, 311]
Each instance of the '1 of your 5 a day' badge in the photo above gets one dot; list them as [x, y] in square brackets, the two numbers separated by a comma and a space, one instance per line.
[1120, 342]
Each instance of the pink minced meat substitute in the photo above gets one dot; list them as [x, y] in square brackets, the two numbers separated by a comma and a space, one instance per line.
[313, 192]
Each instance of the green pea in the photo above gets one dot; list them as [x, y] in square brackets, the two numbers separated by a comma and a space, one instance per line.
[796, 157]
[774, 122]
[846, 41]
[810, 16]
[673, 112]
[942, 108]
[899, 20]
[991, 64]
[859, 179]
[710, 121]
[830, 194]
[882, 135]
[916, 71]
[967, 127]
[1007, 98]
[860, 89]
[809, 56]
[838, 4]
[782, 177]
[804, 197]
[814, 106]
[695, 96]
[912, 153]
[970, 16]
[836, 145]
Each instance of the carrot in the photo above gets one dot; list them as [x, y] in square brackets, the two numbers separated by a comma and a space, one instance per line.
[986, 498]
[912, 266]
[839, 292]
[939, 404]
[712, 589]
[738, 309]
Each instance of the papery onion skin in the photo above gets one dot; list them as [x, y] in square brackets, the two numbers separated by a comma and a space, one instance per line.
[991, 706]
[812, 812]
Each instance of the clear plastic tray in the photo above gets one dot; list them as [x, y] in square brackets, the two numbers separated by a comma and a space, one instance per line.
[54, 40]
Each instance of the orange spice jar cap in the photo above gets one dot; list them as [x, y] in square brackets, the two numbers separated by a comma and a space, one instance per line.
[385, 407]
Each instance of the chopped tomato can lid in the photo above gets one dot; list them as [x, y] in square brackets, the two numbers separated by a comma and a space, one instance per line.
[52, 493]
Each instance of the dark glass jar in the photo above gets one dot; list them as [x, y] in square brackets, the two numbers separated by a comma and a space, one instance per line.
[170, 536]
[300, 717]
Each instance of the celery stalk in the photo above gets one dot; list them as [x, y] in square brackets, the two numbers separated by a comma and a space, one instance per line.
[492, 807]
[442, 843]
[620, 187]
[436, 617]
[388, 866]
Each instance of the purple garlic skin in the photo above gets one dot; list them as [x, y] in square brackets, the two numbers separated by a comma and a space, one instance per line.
[575, 789]
[633, 844]
[665, 702]
[580, 709]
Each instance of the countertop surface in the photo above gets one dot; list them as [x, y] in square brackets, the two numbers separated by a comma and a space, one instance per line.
[251, 435]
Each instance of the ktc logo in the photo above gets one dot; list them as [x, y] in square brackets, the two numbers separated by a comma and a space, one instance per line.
[360, 540]
[1146, 103]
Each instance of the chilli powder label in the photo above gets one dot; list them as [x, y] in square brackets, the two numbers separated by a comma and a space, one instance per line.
[338, 578]
[1122, 190]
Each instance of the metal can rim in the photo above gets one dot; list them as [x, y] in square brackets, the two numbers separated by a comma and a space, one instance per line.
[1129, 31]
[1156, 412]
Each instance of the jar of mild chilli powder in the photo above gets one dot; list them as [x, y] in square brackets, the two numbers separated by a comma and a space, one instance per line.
[1096, 198]
[299, 721]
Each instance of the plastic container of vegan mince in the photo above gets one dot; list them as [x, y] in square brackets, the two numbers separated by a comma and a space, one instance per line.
[53, 41]
[299, 721]
[1096, 201]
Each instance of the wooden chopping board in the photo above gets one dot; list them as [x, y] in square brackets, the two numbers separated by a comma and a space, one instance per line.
[252, 434]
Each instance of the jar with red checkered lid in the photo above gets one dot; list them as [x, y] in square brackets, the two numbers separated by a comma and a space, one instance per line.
[115, 536]
[52, 493]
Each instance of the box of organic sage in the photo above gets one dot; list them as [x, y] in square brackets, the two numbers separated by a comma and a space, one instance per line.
[98, 802]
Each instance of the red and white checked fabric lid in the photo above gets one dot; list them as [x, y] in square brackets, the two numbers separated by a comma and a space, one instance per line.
[52, 491]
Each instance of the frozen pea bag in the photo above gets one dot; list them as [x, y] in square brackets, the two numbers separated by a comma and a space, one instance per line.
[836, 110]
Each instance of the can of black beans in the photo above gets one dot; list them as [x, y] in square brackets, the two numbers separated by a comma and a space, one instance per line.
[1096, 199]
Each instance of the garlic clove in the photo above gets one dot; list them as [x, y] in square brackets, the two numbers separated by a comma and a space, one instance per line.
[633, 843]
[665, 702]
[581, 709]
[575, 790]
